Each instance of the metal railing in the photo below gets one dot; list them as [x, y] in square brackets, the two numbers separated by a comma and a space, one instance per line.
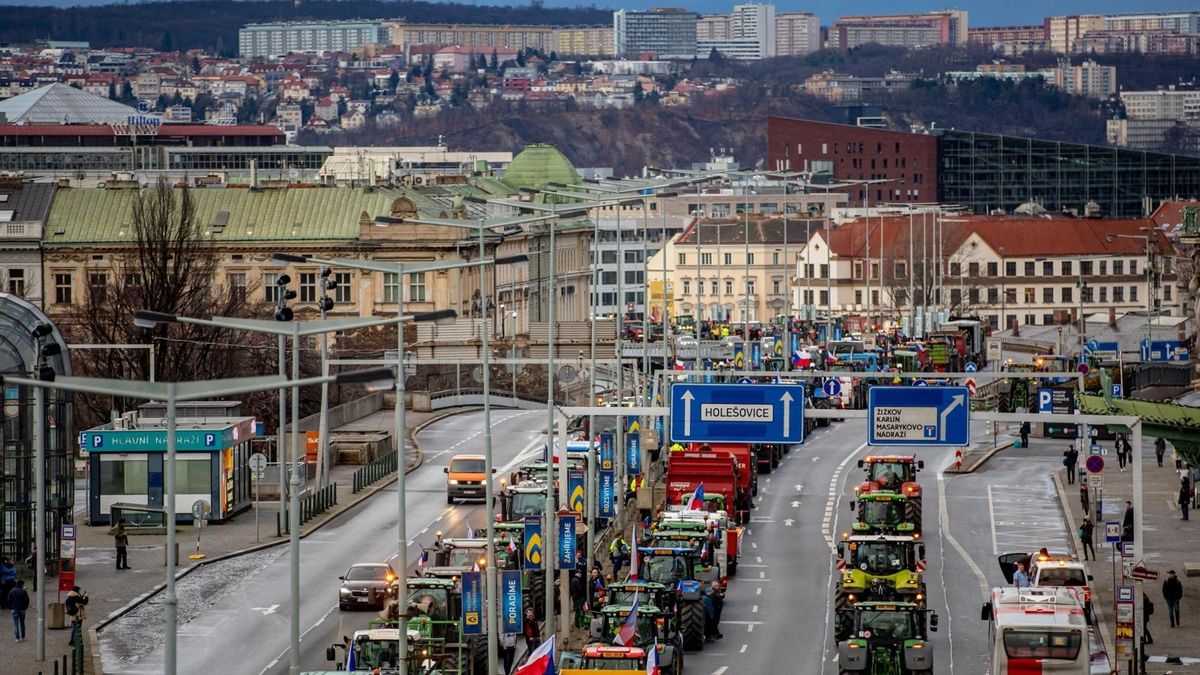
[374, 471]
[317, 502]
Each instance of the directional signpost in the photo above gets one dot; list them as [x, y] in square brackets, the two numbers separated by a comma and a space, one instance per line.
[832, 387]
[737, 413]
[918, 416]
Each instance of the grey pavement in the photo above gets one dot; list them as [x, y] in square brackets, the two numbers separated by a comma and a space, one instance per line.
[1170, 542]
[111, 592]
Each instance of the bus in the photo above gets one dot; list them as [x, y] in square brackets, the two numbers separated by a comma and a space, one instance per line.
[1037, 630]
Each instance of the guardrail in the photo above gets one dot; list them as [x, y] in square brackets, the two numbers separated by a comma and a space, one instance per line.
[317, 502]
[374, 471]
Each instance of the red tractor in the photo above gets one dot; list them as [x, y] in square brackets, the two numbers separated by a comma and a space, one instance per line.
[894, 473]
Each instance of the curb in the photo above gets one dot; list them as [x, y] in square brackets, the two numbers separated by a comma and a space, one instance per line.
[321, 522]
[1004, 445]
[1072, 527]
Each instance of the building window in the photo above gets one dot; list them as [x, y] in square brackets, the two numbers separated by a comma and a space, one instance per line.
[1010, 268]
[1103, 267]
[749, 258]
[687, 287]
[955, 296]
[900, 270]
[715, 289]
[993, 296]
[858, 296]
[1066, 295]
[875, 271]
[1030, 320]
[416, 287]
[973, 270]
[993, 321]
[608, 278]
[391, 287]
[1029, 267]
[237, 286]
[634, 256]
[955, 269]
[858, 269]
[682, 258]
[973, 294]
[1047, 319]
[1066, 268]
[875, 298]
[97, 287]
[341, 294]
[1133, 293]
[608, 257]
[728, 258]
[1104, 294]
[1048, 269]
[1030, 296]
[775, 257]
[1166, 292]
[777, 287]
[750, 286]
[62, 288]
[1047, 295]
[825, 298]
[1086, 294]
[728, 287]
[16, 281]
[1133, 267]
[993, 269]
[825, 271]
[270, 287]
[308, 287]
[706, 259]
[1010, 296]
[1118, 294]
[1085, 268]
[634, 277]
[1118, 268]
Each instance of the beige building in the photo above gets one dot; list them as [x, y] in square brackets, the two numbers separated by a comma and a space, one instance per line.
[797, 33]
[1063, 31]
[584, 41]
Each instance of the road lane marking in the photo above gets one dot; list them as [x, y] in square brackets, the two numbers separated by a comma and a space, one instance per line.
[758, 591]
[750, 628]
[742, 623]
[302, 636]
[743, 649]
[758, 558]
[754, 609]
[721, 670]
[833, 496]
[944, 522]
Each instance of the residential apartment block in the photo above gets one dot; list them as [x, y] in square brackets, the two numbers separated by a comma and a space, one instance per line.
[277, 39]
[667, 33]
[901, 30]
[797, 33]
[842, 88]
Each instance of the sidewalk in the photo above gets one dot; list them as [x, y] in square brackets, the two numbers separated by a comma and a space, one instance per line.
[113, 592]
[1170, 543]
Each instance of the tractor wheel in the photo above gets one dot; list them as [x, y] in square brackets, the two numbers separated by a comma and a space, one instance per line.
[479, 657]
[449, 665]
[842, 614]
[691, 624]
[733, 567]
[765, 467]
[915, 512]
[537, 594]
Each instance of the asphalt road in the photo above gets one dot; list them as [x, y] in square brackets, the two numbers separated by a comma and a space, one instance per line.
[254, 609]
[778, 610]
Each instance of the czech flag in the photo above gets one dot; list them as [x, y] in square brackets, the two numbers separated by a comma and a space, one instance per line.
[628, 630]
[424, 557]
[541, 661]
[652, 660]
[696, 501]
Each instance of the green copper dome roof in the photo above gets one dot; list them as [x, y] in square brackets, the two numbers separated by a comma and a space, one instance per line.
[537, 166]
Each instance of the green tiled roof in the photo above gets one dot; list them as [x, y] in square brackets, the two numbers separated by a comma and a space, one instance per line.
[98, 215]
[538, 165]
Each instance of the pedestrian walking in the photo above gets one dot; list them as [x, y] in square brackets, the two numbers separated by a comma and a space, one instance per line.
[1172, 592]
[531, 630]
[1083, 495]
[1070, 460]
[1127, 522]
[1147, 612]
[718, 599]
[579, 597]
[710, 612]
[8, 580]
[508, 651]
[1160, 449]
[17, 600]
[1185, 496]
[76, 608]
[1087, 531]
[1122, 451]
[1178, 459]
[1024, 434]
[121, 541]
[1020, 578]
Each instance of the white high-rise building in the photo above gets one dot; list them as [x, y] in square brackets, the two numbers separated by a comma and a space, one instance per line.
[747, 34]
[797, 34]
[755, 22]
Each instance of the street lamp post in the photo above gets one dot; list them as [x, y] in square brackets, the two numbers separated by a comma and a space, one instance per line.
[172, 393]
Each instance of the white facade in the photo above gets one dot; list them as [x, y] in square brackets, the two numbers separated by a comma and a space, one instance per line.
[623, 257]
[1162, 104]
[757, 23]
[277, 39]
[797, 34]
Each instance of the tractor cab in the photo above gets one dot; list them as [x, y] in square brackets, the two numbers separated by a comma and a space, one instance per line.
[655, 626]
[878, 567]
[888, 638]
[884, 512]
[526, 498]
[621, 593]
[604, 658]
[892, 473]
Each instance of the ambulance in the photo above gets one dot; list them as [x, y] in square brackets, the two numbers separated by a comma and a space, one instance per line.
[1037, 630]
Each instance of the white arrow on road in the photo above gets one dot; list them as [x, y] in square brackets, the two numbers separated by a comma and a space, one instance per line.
[796, 504]
[799, 488]
[687, 411]
[266, 610]
[787, 413]
[789, 522]
[954, 403]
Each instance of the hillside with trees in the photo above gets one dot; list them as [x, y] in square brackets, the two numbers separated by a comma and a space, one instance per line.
[213, 24]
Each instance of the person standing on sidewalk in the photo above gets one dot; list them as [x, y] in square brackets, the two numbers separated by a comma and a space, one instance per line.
[1024, 434]
[1087, 532]
[1185, 496]
[1160, 449]
[1127, 522]
[121, 541]
[1172, 592]
[1147, 612]
[76, 608]
[1083, 495]
[18, 602]
[1070, 460]
[531, 630]
[1122, 451]
[508, 651]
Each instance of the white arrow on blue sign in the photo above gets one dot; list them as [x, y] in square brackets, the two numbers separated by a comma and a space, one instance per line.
[918, 416]
[971, 367]
[737, 413]
[832, 387]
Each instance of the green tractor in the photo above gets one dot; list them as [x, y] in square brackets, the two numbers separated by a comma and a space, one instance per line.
[888, 638]
[676, 567]
[434, 625]
[884, 512]
[526, 498]
[877, 567]
[654, 624]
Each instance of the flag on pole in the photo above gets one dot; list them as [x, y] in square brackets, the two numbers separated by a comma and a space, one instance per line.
[652, 660]
[628, 630]
[696, 501]
[633, 557]
[541, 661]
[470, 531]
[424, 557]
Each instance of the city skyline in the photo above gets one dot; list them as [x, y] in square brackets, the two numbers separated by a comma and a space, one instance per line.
[981, 13]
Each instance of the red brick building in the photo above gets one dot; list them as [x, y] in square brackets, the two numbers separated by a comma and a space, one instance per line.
[908, 162]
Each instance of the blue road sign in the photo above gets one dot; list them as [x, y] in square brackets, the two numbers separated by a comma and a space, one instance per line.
[918, 416]
[1118, 390]
[1112, 531]
[472, 603]
[745, 380]
[737, 413]
[832, 387]
[566, 541]
[920, 383]
[633, 453]
[608, 494]
[970, 367]
[512, 616]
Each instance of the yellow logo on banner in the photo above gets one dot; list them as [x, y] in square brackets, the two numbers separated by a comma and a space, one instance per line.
[739, 360]
[779, 348]
[577, 499]
[634, 426]
[533, 549]
[471, 618]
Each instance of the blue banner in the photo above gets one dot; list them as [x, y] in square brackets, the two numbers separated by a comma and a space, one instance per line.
[576, 493]
[566, 541]
[534, 552]
[472, 603]
[633, 454]
[608, 493]
[708, 379]
[511, 611]
[756, 355]
[795, 343]
[608, 442]
[659, 429]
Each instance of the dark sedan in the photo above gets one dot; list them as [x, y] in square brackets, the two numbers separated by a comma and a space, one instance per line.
[366, 585]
